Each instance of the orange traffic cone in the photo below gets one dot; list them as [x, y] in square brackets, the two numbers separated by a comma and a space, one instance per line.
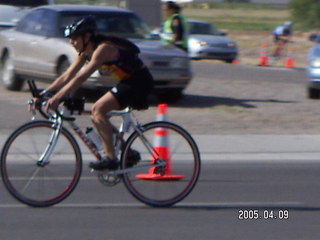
[289, 59]
[161, 150]
[162, 112]
[235, 61]
[264, 55]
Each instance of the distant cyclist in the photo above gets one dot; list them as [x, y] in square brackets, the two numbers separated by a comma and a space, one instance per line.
[111, 56]
[282, 35]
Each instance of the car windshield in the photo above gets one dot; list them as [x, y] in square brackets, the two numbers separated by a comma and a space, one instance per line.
[122, 24]
[10, 14]
[202, 28]
[29, 3]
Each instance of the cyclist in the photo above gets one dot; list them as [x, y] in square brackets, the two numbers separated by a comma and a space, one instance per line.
[175, 26]
[111, 56]
[282, 35]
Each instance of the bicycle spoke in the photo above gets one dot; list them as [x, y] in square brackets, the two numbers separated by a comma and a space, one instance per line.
[30, 180]
[35, 185]
[163, 186]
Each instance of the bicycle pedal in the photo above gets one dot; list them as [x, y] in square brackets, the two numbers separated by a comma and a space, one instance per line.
[109, 180]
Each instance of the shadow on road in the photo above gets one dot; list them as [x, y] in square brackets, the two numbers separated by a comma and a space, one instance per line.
[190, 100]
[198, 101]
[191, 206]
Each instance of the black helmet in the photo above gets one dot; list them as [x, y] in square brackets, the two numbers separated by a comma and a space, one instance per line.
[87, 24]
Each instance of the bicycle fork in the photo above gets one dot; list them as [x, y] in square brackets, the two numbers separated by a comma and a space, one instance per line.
[44, 158]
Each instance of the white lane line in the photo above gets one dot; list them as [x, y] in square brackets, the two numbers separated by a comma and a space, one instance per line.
[231, 205]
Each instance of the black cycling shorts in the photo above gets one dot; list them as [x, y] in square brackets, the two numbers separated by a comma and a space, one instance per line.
[134, 91]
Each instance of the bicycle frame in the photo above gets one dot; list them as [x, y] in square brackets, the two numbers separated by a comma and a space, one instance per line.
[127, 123]
[44, 158]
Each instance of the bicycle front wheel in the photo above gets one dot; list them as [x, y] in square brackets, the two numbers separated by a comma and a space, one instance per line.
[155, 185]
[34, 184]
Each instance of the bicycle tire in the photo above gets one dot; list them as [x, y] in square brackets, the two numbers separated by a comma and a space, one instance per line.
[40, 186]
[179, 176]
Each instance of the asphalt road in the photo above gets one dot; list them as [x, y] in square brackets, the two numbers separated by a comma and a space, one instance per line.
[274, 176]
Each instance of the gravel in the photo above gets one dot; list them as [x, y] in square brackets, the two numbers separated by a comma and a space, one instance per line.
[245, 100]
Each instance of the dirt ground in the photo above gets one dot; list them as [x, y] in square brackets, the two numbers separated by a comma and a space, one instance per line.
[250, 47]
[241, 107]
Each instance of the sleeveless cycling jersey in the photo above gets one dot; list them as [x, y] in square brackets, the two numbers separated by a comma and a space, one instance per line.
[127, 61]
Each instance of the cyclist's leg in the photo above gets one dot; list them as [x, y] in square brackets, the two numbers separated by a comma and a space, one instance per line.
[284, 48]
[279, 49]
[276, 52]
[275, 40]
[100, 119]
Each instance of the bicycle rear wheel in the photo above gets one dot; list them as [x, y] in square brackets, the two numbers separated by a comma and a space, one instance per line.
[161, 186]
[34, 185]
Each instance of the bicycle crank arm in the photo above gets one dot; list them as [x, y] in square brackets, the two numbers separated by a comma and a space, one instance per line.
[160, 163]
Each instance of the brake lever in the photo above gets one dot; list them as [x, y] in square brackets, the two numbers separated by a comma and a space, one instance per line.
[32, 109]
[33, 106]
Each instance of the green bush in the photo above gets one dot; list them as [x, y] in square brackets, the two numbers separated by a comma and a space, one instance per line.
[305, 13]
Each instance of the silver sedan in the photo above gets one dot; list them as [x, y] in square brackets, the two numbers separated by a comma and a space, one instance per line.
[36, 49]
[206, 42]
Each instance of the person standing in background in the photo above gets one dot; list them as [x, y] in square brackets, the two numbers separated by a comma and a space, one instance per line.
[175, 28]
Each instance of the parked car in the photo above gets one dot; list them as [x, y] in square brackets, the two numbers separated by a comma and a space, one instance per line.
[10, 15]
[11, 11]
[313, 68]
[207, 42]
[36, 48]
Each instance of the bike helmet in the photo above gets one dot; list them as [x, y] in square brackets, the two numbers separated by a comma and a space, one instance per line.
[288, 24]
[87, 24]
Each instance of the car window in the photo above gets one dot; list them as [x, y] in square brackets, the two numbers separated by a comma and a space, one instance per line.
[30, 23]
[48, 24]
[39, 22]
[121, 24]
[202, 28]
[11, 14]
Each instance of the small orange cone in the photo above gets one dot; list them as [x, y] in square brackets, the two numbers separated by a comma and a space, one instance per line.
[235, 61]
[289, 59]
[161, 150]
[264, 61]
[162, 112]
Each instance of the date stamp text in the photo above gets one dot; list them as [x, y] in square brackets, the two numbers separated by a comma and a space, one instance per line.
[260, 214]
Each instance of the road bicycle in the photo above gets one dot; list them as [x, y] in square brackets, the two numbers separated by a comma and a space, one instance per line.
[41, 161]
[280, 51]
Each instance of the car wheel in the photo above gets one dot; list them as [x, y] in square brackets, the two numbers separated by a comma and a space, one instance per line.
[313, 93]
[10, 79]
[62, 66]
[229, 60]
[170, 96]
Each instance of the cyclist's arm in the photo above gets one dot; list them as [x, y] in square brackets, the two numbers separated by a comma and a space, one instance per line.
[68, 74]
[104, 53]
[177, 29]
[286, 35]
